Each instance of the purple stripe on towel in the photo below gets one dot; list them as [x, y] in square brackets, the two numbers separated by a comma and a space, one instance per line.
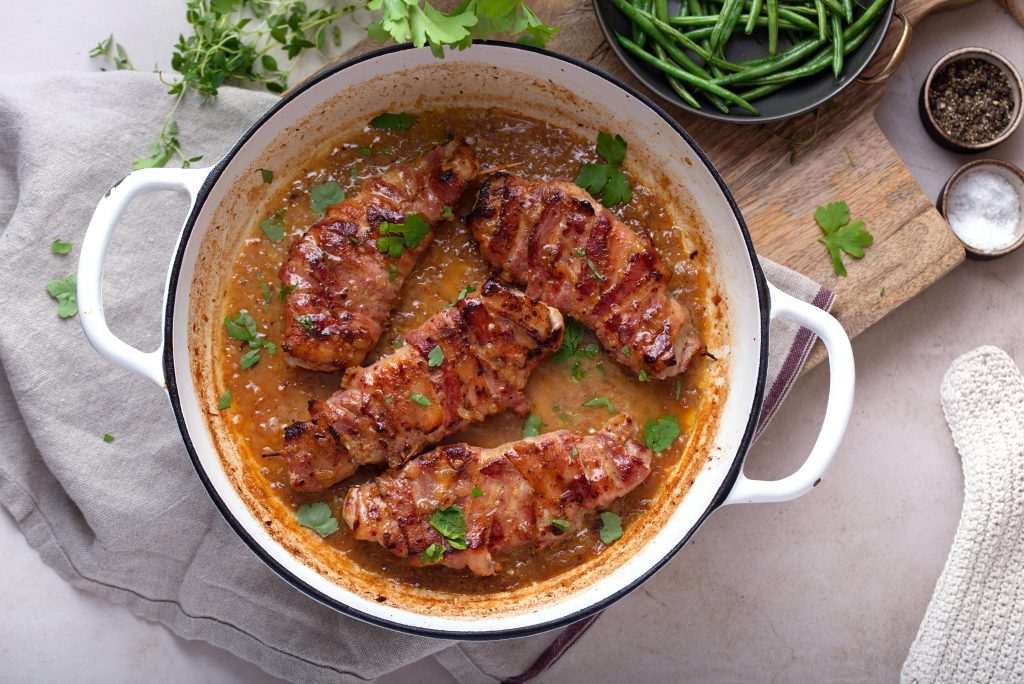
[795, 359]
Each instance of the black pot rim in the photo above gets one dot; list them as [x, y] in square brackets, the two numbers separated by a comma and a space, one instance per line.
[660, 89]
[285, 573]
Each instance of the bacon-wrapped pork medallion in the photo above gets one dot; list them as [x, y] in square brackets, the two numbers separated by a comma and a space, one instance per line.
[344, 283]
[572, 253]
[462, 506]
[467, 362]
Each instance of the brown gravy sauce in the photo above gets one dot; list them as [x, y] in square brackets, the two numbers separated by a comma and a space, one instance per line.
[272, 394]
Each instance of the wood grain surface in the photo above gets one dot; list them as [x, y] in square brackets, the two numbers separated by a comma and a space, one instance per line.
[914, 245]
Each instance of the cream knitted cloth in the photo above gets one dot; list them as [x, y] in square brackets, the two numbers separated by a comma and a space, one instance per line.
[973, 629]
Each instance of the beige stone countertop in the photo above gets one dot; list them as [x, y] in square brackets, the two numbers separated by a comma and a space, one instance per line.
[830, 587]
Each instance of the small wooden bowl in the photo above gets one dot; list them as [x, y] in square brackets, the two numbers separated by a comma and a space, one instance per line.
[1001, 168]
[1016, 87]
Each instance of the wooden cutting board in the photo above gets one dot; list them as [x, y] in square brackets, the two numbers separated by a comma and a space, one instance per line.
[914, 245]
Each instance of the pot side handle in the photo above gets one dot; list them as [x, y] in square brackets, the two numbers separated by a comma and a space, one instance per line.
[93, 255]
[837, 410]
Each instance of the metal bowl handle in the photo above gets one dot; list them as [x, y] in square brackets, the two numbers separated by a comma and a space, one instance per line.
[837, 410]
[94, 251]
[897, 55]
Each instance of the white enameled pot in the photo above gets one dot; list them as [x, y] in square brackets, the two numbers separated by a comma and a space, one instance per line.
[534, 83]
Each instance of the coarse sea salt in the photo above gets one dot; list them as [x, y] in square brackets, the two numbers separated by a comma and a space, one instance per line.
[984, 211]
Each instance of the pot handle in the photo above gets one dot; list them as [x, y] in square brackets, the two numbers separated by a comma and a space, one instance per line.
[94, 250]
[837, 410]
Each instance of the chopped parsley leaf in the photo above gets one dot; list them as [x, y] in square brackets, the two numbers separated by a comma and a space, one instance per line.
[285, 291]
[325, 195]
[249, 358]
[574, 454]
[452, 526]
[625, 351]
[572, 343]
[643, 376]
[317, 517]
[267, 175]
[396, 237]
[435, 357]
[611, 527]
[419, 399]
[308, 325]
[243, 327]
[225, 400]
[659, 434]
[679, 389]
[477, 492]
[60, 247]
[593, 269]
[396, 122]
[268, 294]
[392, 273]
[273, 228]
[577, 371]
[446, 211]
[580, 252]
[468, 289]
[432, 555]
[532, 425]
[354, 173]
[108, 438]
[560, 525]
[389, 400]
[600, 401]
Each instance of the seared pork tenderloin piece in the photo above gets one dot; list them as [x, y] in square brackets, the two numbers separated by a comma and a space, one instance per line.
[465, 363]
[344, 287]
[572, 253]
[520, 489]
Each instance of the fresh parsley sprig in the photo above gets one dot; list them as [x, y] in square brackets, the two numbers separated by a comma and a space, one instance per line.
[607, 180]
[842, 235]
[396, 237]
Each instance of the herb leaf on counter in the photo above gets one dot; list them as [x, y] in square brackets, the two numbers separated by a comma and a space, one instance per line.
[108, 438]
[842, 235]
[452, 526]
[532, 425]
[393, 122]
[659, 434]
[317, 517]
[324, 195]
[611, 527]
[65, 291]
[60, 247]
[114, 51]
[607, 179]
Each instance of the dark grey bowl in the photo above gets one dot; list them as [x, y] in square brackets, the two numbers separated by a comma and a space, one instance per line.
[797, 98]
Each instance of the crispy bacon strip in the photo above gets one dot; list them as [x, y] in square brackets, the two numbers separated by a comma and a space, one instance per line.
[572, 253]
[489, 344]
[523, 485]
[344, 287]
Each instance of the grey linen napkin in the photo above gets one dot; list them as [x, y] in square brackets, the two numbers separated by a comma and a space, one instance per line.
[129, 520]
[973, 630]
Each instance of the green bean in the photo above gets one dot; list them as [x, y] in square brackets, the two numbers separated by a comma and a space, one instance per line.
[799, 9]
[769, 65]
[699, 34]
[822, 28]
[848, 9]
[661, 12]
[705, 21]
[684, 9]
[834, 7]
[724, 16]
[638, 34]
[691, 79]
[770, 84]
[773, 26]
[803, 22]
[644, 21]
[755, 12]
[837, 46]
[702, 52]
[695, 7]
